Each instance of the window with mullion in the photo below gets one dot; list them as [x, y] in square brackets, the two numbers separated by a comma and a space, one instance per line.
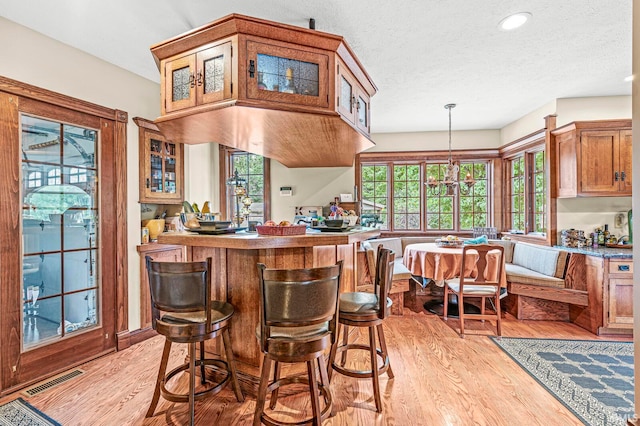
[375, 192]
[439, 208]
[516, 193]
[539, 193]
[406, 197]
[251, 168]
[474, 203]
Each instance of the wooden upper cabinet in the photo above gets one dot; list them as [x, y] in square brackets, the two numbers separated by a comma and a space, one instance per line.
[352, 100]
[197, 78]
[593, 158]
[161, 175]
[271, 89]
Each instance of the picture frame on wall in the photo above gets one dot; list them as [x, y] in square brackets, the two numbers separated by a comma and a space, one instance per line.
[346, 198]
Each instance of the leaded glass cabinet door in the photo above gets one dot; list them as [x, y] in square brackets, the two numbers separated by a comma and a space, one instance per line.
[61, 234]
[179, 83]
[213, 76]
[289, 75]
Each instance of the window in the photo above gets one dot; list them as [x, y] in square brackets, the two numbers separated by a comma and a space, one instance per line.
[375, 197]
[516, 194]
[255, 170]
[527, 191]
[395, 193]
[77, 175]
[53, 177]
[34, 180]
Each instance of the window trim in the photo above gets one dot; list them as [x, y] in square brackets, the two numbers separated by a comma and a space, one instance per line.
[527, 147]
[225, 165]
[391, 158]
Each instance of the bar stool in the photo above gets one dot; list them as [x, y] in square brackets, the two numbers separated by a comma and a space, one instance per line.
[298, 320]
[368, 310]
[184, 313]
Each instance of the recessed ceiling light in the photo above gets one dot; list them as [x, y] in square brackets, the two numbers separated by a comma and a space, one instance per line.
[514, 21]
[628, 78]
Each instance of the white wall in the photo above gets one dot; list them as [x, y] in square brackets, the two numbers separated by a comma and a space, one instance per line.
[32, 58]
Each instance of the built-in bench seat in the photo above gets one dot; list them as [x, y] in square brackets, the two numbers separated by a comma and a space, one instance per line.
[538, 283]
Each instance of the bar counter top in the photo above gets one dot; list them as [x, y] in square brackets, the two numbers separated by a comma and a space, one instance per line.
[251, 240]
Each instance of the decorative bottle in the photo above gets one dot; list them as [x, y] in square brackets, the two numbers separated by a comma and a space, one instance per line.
[289, 87]
[606, 233]
[261, 85]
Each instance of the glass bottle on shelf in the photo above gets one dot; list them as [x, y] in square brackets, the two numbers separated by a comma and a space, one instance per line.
[606, 233]
[261, 85]
[289, 87]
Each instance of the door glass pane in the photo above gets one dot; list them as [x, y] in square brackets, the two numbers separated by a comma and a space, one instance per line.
[214, 74]
[40, 140]
[180, 84]
[79, 146]
[156, 173]
[170, 175]
[59, 228]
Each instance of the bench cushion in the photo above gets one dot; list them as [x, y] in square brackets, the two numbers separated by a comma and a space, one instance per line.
[545, 260]
[394, 244]
[522, 275]
[508, 246]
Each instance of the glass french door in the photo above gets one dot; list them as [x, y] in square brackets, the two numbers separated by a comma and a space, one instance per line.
[61, 239]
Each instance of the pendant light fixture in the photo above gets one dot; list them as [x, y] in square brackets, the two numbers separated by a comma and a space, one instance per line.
[450, 182]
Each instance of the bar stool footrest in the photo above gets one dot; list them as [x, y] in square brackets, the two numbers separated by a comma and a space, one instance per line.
[361, 374]
[184, 397]
[324, 391]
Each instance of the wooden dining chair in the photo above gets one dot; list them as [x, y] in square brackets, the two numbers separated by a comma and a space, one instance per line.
[485, 285]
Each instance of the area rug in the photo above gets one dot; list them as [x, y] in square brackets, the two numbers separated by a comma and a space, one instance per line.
[594, 379]
[20, 413]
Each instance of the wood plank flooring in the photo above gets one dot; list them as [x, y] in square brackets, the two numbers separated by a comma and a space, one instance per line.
[440, 379]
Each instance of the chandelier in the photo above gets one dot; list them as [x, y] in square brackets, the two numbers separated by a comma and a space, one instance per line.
[450, 182]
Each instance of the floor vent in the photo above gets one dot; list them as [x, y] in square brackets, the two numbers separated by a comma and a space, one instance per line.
[54, 381]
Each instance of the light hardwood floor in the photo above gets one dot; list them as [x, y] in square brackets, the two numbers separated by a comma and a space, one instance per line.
[440, 379]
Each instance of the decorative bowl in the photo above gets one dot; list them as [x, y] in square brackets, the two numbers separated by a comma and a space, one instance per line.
[217, 224]
[334, 223]
[440, 242]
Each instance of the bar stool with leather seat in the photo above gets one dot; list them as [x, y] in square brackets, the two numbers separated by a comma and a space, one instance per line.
[360, 309]
[182, 311]
[298, 320]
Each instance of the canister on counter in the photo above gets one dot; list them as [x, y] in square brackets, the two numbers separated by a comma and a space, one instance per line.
[145, 235]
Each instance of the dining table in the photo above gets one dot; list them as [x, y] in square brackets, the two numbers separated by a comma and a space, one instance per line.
[439, 263]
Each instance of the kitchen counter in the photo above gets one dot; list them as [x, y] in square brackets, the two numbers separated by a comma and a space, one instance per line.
[251, 240]
[235, 276]
[606, 252]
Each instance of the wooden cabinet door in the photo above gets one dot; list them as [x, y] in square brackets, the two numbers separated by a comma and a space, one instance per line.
[163, 255]
[213, 75]
[626, 154]
[566, 161]
[179, 88]
[620, 294]
[599, 154]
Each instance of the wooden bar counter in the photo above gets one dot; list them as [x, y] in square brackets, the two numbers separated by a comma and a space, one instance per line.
[235, 275]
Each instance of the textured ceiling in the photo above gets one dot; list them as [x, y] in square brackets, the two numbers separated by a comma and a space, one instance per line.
[422, 54]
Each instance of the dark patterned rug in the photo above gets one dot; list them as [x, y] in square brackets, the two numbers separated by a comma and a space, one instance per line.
[20, 413]
[594, 379]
